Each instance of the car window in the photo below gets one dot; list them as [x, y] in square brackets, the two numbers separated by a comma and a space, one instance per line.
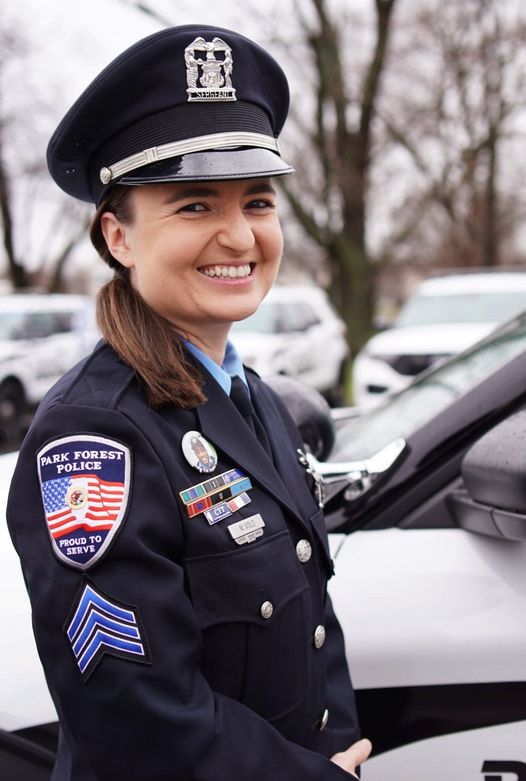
[263, 321]
[462, 308]
[38, 325]
[428, 396]
[63, 322]
[11, 325]
[299, 316]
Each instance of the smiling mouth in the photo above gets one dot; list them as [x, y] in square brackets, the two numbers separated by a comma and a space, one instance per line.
[228, 272]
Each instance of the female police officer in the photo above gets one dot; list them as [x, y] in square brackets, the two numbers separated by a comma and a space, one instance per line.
[175, 557]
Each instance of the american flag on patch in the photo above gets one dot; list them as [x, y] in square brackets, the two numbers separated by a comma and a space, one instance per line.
[97, 501]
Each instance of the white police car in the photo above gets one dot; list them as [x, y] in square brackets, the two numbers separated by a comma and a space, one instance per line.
[445, 315]
[296, 332]
[430, 587]
[41, 337]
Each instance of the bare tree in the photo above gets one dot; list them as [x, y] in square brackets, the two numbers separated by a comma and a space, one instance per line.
[9, 47]
[332, 209]
[456, 123]
[23, 170]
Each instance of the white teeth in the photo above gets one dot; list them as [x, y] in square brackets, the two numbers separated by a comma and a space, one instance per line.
[232, 272]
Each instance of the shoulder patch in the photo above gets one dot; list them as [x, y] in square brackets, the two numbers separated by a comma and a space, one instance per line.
[85, 484]
[99, 625]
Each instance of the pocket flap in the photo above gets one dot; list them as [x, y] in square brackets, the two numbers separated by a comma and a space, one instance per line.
[232, 586]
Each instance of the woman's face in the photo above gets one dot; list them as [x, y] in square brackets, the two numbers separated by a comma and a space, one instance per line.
[202, 254]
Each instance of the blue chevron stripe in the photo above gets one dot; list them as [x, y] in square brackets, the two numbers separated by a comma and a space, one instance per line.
[91, 597]
[104, 642]
[95, 620]
[101, 626]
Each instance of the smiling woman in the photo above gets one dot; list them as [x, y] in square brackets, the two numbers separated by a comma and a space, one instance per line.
[174, 552]
[183, 249]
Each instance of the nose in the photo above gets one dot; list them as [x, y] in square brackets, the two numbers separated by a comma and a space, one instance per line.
[235, 232]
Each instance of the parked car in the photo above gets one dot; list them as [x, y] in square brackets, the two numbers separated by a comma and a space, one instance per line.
[426, 503]
[445, 315]
[41, 337]
[296, 332]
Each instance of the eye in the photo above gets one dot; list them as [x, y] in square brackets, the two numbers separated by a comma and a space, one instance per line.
[193, 208]
[260, 203]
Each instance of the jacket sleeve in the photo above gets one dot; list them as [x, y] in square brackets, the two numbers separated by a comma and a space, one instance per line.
[157, 720]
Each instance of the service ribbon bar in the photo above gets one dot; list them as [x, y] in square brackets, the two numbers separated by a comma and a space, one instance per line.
[199, 506]
[201, 490]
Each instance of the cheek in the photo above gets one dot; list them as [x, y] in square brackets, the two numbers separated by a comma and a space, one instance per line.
[272, 242]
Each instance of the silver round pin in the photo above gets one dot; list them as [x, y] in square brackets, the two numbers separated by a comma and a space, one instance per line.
[199, 452]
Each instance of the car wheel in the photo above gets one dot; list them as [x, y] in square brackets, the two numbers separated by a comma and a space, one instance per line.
[12, 405]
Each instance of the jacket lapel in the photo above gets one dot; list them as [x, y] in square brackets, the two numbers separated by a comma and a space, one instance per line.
[221, 422]
[286, 463]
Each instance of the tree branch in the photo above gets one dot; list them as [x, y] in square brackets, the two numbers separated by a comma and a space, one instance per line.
[384, 9]
[305, 218]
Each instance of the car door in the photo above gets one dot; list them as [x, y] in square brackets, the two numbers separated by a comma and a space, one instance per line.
[435, 642]
[430, 586]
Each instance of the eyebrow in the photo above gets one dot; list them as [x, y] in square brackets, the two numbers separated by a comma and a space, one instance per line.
[211, 192]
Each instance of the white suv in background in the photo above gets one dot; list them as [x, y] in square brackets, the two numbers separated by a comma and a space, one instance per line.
[296, 332]
[41, 337]
[445, 315]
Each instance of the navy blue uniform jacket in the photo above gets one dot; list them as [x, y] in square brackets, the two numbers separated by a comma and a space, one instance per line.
[219, 692]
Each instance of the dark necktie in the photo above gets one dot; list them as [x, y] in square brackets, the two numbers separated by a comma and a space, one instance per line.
[240, 396]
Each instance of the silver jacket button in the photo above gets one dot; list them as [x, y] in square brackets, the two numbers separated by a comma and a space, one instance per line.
[266, 610]
[323, 721]
[319, 636]
[303, 551]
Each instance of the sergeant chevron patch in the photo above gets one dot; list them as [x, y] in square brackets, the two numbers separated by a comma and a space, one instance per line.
[98, 625]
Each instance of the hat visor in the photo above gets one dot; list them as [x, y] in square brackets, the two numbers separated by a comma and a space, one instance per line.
[249, 163]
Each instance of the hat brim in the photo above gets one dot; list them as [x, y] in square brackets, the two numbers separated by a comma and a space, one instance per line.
[250, 163]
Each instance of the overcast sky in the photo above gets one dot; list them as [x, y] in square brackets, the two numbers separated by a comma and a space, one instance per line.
[71, 40]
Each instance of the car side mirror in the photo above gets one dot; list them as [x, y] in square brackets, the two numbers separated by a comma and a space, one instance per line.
[493, 499]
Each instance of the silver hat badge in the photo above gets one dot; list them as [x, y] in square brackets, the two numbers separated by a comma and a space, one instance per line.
[208, 78]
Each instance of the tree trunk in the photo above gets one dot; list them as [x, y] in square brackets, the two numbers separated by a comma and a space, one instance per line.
[490, 232]
[352, 289]
[56, 282]
[17, 272]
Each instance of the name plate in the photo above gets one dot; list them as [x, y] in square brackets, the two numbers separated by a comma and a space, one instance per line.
[247, 530]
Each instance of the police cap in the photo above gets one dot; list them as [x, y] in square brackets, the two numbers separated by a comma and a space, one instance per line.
[187, 103]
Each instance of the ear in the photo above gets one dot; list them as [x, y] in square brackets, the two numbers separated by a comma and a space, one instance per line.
[114, 233]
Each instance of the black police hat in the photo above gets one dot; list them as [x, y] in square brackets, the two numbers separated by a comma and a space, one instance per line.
[188, 103]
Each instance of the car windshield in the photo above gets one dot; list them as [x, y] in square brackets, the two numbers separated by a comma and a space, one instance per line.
[410, 409]
[263, 321]
[462, 308]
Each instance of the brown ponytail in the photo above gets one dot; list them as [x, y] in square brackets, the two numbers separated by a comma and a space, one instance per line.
[142, 338]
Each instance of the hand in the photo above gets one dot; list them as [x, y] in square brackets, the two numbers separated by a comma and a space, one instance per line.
[353, 756]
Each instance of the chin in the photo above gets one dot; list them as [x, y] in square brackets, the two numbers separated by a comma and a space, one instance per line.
[240, 310]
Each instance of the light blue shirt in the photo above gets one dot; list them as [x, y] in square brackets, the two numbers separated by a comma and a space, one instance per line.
[223, 374]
